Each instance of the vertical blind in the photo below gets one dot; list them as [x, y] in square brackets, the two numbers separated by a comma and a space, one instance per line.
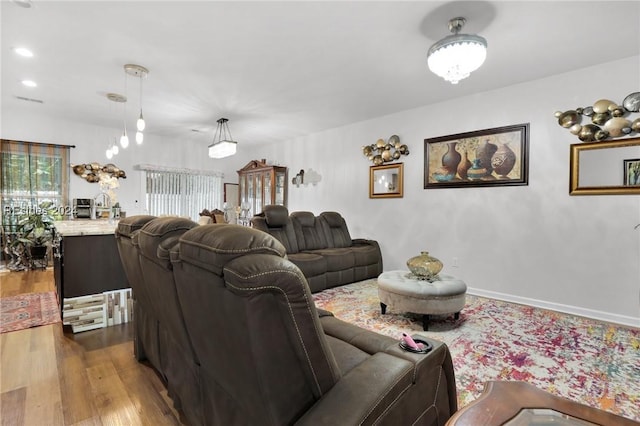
[181, 192]
[32, 173]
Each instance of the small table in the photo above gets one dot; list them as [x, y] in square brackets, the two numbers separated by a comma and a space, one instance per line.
[520, 404]
[404, 292]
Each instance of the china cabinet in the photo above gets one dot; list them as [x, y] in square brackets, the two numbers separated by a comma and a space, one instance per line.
[261, 184]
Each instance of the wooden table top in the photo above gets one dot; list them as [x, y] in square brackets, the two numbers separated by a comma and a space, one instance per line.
[501, 401]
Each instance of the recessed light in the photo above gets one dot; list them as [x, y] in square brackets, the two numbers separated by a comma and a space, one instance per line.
[29, 83]
[23, 51]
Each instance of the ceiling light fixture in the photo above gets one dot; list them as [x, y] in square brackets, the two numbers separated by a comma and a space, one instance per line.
[115, 97]
[23, 51]
[223, 144]
[141, 72]
[456, 56]
[29, 83]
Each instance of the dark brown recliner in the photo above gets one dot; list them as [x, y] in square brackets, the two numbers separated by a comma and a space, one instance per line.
[146, 328]
[178, 363]
[267, 357]
[275, 220]
[367, 256]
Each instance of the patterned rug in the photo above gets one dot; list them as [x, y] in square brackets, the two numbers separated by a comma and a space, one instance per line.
[28, 310]
[591, 362]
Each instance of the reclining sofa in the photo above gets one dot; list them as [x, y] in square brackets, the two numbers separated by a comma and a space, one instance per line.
[239, 326]
[321, 246]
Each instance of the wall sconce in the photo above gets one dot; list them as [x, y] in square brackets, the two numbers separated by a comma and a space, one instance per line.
[310, 177]
[382, 152]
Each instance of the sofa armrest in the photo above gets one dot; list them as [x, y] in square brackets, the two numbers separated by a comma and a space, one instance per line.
[363, 394]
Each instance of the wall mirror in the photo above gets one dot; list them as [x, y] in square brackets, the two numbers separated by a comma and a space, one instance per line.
[605, 168]
[386, 181]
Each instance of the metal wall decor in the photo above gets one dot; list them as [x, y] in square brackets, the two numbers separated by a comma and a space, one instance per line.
[385, 152]
[608, 119]
[94, 172]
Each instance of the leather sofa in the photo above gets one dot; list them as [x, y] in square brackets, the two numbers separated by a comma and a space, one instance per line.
[321, 246]
[160, 334]
[240, 341]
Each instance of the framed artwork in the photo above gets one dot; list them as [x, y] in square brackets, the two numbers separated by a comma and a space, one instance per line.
[231, 194]
[490, 157]
[386, 181]
[632, 172]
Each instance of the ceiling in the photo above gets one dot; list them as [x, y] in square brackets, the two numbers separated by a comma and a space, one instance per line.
[279, 70]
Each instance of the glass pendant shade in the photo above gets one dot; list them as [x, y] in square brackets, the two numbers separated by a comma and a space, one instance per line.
[140, 124]
[456, 56]
[139, 137]
[223, 145]
[222, 149]
[124, 140]
[109, 153]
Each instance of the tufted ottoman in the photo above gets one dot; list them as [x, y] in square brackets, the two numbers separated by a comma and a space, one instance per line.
[405, 293]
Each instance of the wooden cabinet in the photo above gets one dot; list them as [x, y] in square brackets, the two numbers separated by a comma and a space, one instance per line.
[260, 185]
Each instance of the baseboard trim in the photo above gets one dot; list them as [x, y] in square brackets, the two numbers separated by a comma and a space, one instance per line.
[567, 309]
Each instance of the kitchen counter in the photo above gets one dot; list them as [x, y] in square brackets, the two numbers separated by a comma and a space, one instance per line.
[79, 227]
[87, 267]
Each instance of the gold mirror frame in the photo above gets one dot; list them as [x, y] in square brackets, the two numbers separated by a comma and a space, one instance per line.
[392, 175]
[574, 166]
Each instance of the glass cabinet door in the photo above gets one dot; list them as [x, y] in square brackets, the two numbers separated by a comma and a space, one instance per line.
[280, 188]
[266, 177]
[257, 205]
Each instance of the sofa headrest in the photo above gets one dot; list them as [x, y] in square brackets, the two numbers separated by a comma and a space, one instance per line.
[335, 230]
[158, 236]
[276, 215]
[211, 247]
[306, 219]
[334, 219]
[128, 225]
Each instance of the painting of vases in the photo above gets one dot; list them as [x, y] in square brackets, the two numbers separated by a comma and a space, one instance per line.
[484, 153]
[487, 157]
[503, 161]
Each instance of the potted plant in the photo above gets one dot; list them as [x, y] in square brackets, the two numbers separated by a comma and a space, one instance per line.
[36, 230]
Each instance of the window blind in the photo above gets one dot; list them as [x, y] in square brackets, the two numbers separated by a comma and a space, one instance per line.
[181, 192]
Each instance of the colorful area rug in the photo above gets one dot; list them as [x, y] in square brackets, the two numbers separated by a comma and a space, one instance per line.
[28, 310]
[591, 362]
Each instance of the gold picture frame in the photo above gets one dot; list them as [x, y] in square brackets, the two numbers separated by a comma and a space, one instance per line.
[386, 181]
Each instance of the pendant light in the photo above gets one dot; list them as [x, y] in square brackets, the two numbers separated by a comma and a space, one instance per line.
[458, 55]
[223, 145]
[124, 140]
[109, 152]
[140, 72]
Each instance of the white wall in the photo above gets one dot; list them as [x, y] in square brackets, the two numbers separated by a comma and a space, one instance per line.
[533, 244]
[91, 143]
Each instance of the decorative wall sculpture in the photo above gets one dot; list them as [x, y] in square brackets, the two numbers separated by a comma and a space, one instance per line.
[94, 172]
[608, 119]
[384, 152]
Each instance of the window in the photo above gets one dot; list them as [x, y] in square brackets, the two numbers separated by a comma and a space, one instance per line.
[32, 173]
[181, 192]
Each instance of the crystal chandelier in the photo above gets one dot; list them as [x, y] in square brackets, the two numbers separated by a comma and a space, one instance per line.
[458, 55]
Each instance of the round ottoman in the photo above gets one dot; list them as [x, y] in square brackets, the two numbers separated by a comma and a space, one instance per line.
[407, 294]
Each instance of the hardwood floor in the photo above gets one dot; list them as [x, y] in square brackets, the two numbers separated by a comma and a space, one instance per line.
[50, 376]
